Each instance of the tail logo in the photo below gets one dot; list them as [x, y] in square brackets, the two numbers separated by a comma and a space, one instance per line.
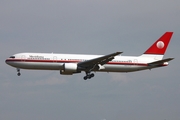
[160, 45]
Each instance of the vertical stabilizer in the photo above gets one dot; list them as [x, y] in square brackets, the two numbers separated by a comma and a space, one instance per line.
[158, 49]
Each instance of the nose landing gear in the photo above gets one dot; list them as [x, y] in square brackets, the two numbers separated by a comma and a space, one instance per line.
[18, 72]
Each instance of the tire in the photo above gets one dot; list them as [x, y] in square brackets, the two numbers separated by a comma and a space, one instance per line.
[85, 77]
[92, 75]
[18, 74]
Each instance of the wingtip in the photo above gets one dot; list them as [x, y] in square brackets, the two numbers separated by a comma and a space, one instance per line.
[119, 52]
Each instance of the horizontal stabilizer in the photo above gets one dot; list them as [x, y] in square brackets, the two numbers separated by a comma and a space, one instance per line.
[160, 62]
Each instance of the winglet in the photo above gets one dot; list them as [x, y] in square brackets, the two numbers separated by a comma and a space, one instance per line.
[159, 47]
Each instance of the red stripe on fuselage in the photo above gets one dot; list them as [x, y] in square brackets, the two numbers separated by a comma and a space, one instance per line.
[71, 61]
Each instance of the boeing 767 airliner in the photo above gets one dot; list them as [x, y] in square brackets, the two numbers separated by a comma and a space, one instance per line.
[69, 64]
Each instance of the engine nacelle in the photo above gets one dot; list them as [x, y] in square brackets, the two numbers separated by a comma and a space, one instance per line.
[69, 69]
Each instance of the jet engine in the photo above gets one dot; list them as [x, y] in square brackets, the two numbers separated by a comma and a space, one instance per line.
[69, 69]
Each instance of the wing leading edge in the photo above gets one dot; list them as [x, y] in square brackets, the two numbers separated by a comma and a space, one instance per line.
[91, 64]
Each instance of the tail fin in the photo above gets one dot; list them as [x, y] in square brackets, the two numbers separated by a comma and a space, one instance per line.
[158, 49]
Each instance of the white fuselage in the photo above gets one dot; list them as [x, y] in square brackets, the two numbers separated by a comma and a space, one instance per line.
[51, 61]
[68, 64]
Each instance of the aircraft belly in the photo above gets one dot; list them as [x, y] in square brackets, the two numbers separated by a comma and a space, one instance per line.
[123, 68]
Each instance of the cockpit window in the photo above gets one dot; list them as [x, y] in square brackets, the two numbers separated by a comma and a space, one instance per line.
[12, 57]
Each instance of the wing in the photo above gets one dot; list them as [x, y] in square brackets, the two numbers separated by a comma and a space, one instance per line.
[160, 62]
[92, 64]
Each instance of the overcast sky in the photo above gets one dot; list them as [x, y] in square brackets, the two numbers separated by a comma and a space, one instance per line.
[89, 27]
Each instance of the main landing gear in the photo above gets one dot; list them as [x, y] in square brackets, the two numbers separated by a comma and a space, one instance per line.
[88, 75]
[18, 72]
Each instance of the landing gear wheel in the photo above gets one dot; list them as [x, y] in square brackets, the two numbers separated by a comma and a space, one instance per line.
[85, 77]
[92, 75]
[88, 76]
[18, 74]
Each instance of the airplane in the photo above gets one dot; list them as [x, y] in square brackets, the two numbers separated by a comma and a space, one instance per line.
[69, 64]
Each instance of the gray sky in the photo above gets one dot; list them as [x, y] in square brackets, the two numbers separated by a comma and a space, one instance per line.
[89, 27]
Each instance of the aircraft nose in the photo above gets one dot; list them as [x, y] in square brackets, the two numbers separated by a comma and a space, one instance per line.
[9, 60]
[6, 61]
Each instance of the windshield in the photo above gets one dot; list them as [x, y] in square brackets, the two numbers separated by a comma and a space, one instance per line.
[12, 57]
